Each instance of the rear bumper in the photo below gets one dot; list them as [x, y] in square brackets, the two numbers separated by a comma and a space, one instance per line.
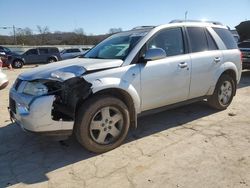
[36, 116]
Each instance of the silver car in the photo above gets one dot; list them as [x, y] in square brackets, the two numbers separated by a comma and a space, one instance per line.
[99, 96]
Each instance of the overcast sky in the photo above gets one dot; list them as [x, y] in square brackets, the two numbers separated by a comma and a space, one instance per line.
[98, 16]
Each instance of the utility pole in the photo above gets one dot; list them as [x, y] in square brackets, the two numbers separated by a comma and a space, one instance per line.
[14, 34]
[186, 14]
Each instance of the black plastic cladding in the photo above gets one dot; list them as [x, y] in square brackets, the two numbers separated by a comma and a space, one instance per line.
[71, 92]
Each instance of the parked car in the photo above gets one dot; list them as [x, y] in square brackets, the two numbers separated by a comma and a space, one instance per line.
[71, 53]
[3, 78]
[36, 55]
[245, 49]
[9, 54]
[130, 73]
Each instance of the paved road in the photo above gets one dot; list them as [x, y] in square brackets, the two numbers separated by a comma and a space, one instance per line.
[192, 146]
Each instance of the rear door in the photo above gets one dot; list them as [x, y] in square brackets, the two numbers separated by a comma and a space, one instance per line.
[166, 81]
[43, 55]
[206, 60]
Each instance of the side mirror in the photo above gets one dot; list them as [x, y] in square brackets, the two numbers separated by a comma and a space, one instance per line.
[154, 54]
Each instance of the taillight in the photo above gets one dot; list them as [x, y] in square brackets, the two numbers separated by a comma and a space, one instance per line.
[241, 56]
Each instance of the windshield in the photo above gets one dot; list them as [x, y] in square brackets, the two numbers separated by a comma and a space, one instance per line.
[117, 46]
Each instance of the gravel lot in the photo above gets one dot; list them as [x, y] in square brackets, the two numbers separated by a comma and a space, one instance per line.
[192, 146]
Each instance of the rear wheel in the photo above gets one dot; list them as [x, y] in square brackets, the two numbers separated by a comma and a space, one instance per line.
[51, 60]
[102, 123]
[223, 93]
[17, 64]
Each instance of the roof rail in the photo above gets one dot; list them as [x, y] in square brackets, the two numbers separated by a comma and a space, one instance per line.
[144, 27]
[181, 21]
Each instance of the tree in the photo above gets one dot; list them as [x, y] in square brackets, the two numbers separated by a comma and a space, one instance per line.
[115, 30]
[43, 31]
[24, 36]
[80, 37]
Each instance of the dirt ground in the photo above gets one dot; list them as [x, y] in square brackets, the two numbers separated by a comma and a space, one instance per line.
[192, 146]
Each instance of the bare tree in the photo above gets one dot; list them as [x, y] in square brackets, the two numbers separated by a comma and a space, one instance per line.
[43, 31]
[24, 36]
[115, 30]
[80, 37]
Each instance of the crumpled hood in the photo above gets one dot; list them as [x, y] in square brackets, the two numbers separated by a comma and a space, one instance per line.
[44, 71]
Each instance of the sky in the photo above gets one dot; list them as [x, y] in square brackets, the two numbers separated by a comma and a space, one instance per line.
[98, 16]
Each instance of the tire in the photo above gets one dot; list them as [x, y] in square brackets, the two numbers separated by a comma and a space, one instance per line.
[223, 93]
[17, 63]
[51, 60]
[102, 123]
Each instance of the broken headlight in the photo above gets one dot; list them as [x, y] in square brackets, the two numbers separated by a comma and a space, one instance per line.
[35, 89]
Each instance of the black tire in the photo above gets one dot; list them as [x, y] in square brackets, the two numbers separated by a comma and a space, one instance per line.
[17, 64]
[216, 101]
[52, 60]
[92, 110]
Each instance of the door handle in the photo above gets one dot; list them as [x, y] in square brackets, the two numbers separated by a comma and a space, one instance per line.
[182, 65]
[217, 59]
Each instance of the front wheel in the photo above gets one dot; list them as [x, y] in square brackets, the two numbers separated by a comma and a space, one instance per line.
[102, 123]
[17, 64]
[223, 93]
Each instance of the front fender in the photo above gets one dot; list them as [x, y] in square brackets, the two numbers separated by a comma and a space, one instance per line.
[112, 83]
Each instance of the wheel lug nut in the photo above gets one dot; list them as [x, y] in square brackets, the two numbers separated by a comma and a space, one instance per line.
[105, 129]
[109, 127]
[103, 124]
[110, 122]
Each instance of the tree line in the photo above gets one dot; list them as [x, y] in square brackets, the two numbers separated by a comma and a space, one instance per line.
[43, 36]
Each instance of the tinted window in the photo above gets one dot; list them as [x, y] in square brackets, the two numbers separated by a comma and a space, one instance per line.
[32, 52]
[43, 51]
[244, 45]
[211, 43]
[75, 50]
[198, 39]
[170, 40]
[53, 50]
[226, 37]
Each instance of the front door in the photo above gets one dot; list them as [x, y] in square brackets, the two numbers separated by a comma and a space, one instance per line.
[166, 81]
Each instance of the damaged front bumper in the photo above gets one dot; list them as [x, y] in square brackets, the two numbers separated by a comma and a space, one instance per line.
[36, 116]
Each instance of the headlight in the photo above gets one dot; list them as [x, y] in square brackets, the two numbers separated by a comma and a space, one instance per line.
[35, 89]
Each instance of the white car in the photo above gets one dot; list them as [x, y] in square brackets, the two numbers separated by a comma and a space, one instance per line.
[3, 80]
[99, 96]
[71, 53]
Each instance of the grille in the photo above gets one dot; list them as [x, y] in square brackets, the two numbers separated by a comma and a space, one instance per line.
[12, 105]
[17, 83]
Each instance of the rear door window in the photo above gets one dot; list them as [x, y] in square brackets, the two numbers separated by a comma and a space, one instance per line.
[227, 37]
[211, 43]
[198, 40]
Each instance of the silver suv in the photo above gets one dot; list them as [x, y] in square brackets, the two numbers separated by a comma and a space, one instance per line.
[99, 96]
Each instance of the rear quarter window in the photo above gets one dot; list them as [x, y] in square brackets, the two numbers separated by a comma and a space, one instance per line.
[227, 37]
